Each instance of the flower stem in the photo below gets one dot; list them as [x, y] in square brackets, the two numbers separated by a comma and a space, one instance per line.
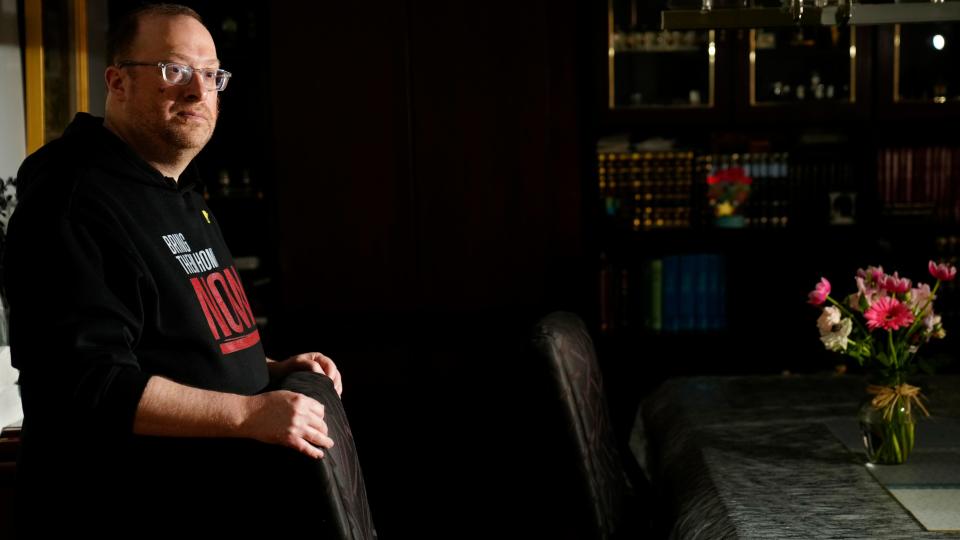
[893, 350]
[897, 455]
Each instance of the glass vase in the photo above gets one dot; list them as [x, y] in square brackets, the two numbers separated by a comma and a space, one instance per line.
[888, 433]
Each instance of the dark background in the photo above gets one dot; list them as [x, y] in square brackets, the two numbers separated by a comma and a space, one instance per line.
[423, 188]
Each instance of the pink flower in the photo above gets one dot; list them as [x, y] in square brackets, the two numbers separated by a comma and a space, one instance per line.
[873, 275]
[895, 284]
[888, 313]
[864, 291]
[942, 271]
[819, 294]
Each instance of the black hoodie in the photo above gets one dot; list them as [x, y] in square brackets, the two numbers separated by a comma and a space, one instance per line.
[115, 273]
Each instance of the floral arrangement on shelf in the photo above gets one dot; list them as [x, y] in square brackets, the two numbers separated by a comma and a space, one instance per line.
[882, 326]
[728, 190]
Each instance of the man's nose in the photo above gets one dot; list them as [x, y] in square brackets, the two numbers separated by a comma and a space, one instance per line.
[195, 88]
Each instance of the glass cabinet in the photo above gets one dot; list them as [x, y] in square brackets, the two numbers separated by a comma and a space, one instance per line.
[803, 64]
[925, 62]
[649, 67]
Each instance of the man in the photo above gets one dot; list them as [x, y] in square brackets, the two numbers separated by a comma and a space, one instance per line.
[138, 354]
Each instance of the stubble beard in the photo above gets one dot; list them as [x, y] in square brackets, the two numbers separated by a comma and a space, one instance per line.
[183, 134]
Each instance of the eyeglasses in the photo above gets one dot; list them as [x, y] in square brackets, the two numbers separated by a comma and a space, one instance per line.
[180, 75]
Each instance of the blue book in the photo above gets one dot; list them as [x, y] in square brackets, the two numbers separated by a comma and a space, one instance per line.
[701, 316]
[687, 298]
[671, 293]
[721, 300]
[653, 292]
[712, 296]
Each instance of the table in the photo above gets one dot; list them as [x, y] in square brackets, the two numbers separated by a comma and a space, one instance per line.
[755, 457]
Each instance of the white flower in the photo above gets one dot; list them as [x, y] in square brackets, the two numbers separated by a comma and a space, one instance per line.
[919, 297]
[933, 327]
[828, 319]
[836, 338]
[866, 291]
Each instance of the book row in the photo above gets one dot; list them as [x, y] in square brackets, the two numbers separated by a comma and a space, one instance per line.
[676, 293]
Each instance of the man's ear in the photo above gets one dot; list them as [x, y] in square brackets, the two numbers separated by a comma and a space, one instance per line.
[116, 85]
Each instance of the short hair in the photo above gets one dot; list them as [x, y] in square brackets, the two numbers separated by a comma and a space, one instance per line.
[120, 37]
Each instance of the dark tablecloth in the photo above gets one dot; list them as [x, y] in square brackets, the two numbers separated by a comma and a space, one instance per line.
[752, 457]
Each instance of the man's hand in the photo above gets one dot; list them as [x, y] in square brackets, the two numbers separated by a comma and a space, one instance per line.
[311, 361]
[289, 419]
[170, 409]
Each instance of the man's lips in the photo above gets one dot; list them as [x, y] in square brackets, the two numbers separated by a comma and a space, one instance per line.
[192, 115]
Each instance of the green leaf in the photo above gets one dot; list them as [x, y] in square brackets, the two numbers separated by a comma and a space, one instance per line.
[852, 352]
[863, 303]
[884, 359]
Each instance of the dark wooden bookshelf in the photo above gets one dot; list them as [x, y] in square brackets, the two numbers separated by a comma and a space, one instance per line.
[769, 270]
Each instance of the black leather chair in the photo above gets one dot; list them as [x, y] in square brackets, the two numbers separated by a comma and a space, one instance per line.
[339, 470]
[605, 494]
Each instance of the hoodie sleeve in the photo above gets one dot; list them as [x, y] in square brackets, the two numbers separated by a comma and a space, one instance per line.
[76, 314]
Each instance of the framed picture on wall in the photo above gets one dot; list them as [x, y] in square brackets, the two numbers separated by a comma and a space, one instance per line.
[56, 66]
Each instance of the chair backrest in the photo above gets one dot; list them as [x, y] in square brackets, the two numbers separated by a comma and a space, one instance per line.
[562, 340]
[340, 467]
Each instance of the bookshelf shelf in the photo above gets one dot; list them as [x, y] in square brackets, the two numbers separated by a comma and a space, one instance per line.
[839, 182]
[662, 50]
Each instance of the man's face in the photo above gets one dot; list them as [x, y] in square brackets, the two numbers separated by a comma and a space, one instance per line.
[181, 117]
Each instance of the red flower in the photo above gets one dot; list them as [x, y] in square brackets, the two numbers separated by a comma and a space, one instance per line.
[942, 271]
[819, 294]
[888, 313]
[733, 175]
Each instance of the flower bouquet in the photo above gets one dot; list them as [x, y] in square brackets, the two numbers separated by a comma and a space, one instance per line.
[882, 325]
[727, 191]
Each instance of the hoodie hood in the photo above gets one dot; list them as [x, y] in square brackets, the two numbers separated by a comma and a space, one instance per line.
[87, 144]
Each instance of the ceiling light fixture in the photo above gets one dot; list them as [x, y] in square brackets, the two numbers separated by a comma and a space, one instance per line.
[806, 13]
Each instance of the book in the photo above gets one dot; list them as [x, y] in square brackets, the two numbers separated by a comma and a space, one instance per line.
[670, 296]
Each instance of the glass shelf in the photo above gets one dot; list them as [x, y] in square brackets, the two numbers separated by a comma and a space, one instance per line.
[648, 67]
[925, 61]
[794, 65]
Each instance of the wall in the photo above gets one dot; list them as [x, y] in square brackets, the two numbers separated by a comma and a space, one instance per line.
[426, 154]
